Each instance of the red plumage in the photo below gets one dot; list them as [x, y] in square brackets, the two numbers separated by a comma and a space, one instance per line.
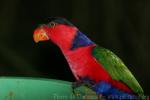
[83, 64]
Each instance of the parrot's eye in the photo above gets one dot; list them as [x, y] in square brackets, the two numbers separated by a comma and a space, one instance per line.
[51, 24]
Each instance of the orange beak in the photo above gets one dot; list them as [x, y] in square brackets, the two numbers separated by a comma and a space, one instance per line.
[40, 35]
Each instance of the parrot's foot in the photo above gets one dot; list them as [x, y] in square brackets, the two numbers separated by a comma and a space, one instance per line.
[85, 88]
[83, 82]
[86, 82]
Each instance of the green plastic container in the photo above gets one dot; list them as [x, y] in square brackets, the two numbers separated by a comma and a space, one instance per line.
[15, 88]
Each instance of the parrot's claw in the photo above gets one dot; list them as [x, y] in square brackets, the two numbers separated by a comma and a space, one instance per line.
[82, 82]
[84, 88]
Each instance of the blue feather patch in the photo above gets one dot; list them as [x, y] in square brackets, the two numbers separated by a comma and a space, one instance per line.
[112, 93]
[81, 40]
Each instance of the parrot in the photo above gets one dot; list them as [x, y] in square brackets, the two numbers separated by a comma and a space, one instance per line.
[92, 65]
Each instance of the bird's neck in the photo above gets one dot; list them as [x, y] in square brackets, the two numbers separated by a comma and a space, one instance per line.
[80, 40]
[78, 52]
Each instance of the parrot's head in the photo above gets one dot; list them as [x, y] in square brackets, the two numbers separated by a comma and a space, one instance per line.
[59, 30]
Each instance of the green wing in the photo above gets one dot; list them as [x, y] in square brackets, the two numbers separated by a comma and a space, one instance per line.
[116, 68]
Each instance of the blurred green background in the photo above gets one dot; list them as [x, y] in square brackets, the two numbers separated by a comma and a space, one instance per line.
[122, 26]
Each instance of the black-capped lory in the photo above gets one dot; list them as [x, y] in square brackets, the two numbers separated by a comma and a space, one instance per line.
[92, 65]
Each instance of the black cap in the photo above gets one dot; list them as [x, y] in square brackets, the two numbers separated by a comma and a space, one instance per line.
[59, 20]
